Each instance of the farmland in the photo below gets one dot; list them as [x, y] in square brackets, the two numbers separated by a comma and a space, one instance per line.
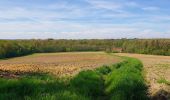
[58, 63]
[97, 76]
[157, 73]
[61, 69]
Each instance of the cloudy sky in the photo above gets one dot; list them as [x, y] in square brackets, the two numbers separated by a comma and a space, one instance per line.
[84, 19]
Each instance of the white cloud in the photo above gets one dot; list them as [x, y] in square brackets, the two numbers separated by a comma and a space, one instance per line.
[93, 34]
[76, 31]
[98, 19]
[101, 4]
[42, 13]
[151, 8]
[112, 5]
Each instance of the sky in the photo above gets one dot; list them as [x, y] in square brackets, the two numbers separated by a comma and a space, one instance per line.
[84, 19]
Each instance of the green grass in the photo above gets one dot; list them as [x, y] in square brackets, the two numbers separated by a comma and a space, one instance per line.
[38, 87]
[122, 81]
[163, 80]
[163, 65]
[126, 81]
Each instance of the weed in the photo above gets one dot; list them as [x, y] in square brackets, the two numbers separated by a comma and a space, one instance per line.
[163, 80]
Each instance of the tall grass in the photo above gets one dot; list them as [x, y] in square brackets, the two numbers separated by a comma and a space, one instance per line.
[126, 81]
[122, 81]
[84, 86]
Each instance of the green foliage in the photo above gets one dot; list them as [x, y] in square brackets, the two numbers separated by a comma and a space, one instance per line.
[14, 48]
[89, 83]
[147, 46]
[37, 87]
[122, 81]
[126, 82]
[104, 70]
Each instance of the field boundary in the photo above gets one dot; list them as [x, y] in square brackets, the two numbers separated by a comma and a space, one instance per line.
[121, 81]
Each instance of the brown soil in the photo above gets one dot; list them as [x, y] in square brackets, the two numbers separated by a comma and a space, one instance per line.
[57, 63]
[156, 67]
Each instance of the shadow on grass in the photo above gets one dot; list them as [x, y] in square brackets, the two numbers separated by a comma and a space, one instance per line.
[161, 95]
[18, 74]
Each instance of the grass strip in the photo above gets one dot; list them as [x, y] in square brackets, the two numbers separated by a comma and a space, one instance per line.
[122, 81]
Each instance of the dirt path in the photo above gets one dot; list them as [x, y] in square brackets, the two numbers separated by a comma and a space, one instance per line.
[157, 70]
[58, 63]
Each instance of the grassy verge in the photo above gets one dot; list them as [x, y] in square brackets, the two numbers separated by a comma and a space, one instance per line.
[122, 81]
[126, 81]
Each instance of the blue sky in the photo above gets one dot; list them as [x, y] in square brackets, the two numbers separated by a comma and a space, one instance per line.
[84, 19]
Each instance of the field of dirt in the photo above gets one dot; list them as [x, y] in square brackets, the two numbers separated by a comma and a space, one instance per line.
[157, 68]
[57, 63]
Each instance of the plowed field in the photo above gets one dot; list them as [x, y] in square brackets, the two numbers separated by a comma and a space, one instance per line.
[58, 63]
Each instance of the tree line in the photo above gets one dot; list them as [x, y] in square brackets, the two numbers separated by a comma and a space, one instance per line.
[150, 46]
[13, 48]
